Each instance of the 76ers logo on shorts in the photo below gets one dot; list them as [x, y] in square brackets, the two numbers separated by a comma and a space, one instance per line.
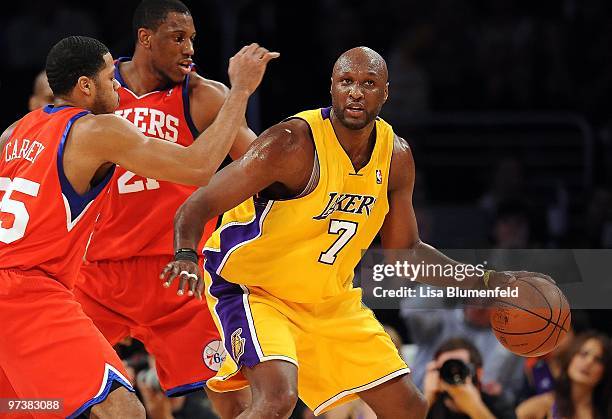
[214, 354]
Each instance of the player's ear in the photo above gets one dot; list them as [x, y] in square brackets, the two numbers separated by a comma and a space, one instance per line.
[144, 37]
[386, 91]
[331, 84]
[85, 85]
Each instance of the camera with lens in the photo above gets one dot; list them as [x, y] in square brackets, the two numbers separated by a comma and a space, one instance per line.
[455, 371]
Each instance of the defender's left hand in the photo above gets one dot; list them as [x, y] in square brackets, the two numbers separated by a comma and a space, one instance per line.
[188, 273]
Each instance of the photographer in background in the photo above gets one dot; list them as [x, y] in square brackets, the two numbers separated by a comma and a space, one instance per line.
[452, 385]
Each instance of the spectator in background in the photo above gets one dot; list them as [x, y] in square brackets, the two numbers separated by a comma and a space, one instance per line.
[429, 327]
[507, 185]
[159, 406]
[584, 388]
[511, 228]
[598, 219]
[408, 76]
[508, 194]
[41, 92]
[541, 372]
[464, 399]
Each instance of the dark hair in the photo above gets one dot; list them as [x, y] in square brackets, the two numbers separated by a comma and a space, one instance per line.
[602, 393]
[461, 343]
[71, 58]
[152, 13]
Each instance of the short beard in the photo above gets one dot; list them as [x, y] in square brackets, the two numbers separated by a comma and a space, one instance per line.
[356, 126]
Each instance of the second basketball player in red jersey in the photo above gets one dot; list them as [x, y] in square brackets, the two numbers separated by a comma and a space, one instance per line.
[118, 286]
[56, 164]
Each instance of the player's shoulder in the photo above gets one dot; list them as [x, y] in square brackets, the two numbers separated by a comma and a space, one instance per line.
[201, 88]
[285, 143]
[400, 146]
[290, 133]
[8, 131]
[402, 153]
[402, 168]
[99, 125]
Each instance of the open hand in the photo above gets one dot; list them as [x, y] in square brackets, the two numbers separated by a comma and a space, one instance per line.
[189, 274]
[247, 67]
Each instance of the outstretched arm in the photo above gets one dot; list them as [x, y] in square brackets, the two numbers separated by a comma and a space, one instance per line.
[206, 99]
[281, 155]
[107, 138]
[400, 230]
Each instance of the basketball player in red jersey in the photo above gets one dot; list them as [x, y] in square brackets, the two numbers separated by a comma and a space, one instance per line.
[55, 167]
[132, 241]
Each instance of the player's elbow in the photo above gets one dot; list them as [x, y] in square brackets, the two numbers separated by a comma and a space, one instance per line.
[200, 176]
[197, 175]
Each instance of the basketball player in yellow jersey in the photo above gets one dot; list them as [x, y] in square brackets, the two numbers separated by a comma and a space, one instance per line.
[311, 193]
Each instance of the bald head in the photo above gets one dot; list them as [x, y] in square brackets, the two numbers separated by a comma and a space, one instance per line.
[362, 58]
[359, 87]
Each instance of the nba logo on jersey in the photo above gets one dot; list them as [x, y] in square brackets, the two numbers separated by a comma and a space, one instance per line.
[237, 344]
[378, 177]
[214, 354]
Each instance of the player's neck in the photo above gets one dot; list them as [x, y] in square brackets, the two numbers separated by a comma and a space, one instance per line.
[140, 76]
[67, 101]
[355, 143]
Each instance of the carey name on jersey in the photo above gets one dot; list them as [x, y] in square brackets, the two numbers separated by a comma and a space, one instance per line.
[22, 149]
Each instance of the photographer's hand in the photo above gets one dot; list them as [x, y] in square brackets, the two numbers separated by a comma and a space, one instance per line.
[156, 403]
[431, 383]
[467, 399]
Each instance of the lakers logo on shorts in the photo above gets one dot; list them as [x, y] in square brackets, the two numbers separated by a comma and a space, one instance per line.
[237, 344]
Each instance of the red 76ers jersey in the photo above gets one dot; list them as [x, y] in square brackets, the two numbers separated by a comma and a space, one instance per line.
[138, 218]
[44, 222]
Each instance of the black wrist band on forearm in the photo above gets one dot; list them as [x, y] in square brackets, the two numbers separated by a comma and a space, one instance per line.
[186, 254]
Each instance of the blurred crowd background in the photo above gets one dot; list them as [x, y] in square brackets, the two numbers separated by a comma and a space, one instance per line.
[506, 103]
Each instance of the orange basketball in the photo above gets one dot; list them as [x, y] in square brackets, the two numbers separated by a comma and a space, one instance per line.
[535, 322]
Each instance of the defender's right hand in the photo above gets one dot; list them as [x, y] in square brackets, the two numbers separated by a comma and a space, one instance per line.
[247, 67]
[188, 273]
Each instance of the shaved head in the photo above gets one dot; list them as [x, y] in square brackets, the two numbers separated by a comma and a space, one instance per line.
[359, 87]
[362, 57]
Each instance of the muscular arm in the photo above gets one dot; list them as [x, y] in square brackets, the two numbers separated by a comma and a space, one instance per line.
[206, 99]
[282, 154]
[400, 230]
[112, 139]
[100, 139]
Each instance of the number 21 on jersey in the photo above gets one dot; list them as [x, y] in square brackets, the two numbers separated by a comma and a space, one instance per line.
[127, 184]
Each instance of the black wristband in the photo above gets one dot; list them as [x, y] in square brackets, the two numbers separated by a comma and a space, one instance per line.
[186, 254]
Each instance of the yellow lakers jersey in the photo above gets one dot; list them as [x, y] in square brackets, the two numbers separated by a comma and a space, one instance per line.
[306, 249]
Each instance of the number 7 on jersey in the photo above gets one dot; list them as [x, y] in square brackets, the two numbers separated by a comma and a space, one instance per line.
[346, 230]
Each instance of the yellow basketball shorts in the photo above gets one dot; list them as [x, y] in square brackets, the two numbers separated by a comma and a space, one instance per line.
[339, 347]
